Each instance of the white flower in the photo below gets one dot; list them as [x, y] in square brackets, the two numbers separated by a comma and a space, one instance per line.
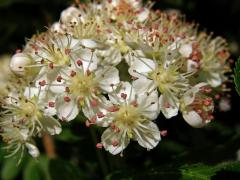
[166, 78]
[185, 50]
[131, 115]
[196, 108]
[32, 150]
[70, 16]
[18, 63]
[32, 110]
[82, 86]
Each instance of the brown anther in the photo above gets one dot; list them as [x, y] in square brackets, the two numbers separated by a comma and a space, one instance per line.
[51, 104]
[42, 83]
[100, 115]
[59, 78]
[99, 145]
[73, 73]
[67, 99]
[123, 95]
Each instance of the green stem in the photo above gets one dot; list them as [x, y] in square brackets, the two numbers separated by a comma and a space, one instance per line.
[101, 160]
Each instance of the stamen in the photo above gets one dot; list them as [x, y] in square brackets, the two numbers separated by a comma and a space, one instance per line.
[67, 99]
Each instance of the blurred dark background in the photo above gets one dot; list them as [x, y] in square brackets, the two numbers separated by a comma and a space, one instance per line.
[184, 147]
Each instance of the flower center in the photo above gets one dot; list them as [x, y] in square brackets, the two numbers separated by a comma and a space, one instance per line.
[165, 78]
[29, 109]
[60, 58]
[127, 116]
[82, 85]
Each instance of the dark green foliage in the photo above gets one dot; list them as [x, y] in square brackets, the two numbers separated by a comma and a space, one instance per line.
[237, 76]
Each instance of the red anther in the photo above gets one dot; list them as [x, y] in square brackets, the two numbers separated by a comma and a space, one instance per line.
[79, 62]
[109, 30]
[51, 104]
[59, 78]
[93, 120]
[155, 26]
[67, 89]
[199, 111]
[207, 102]
[110, 1]
[167, 105]
[163, 133]
[165, 30]
[117, 130]
[18, 51]
[42, 83]
[67, 51]
[87, 123]
[112, 125]
[217, 96]
[80, 98]
[123, 95]
[112, 109]
[51, 66]
[100, 115]
[99, 145]
[73, 73]
[210, 117]
[88, 72]
[63, 119]
[94, 103]
[115, 143]
[208, 90]
[67, 99]
[134, 78]
[134, 103]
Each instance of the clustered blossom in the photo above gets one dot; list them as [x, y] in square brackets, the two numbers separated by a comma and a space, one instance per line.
[76, 66]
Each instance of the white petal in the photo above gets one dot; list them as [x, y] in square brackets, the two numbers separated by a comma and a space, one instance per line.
[111, 56]
[56, 27]
[143, 85]
[149, 105]
[192, 66]
[66, 110]
[147, 135]
[126, 88]
[51, 125]
[24, 133]
[193, 119]
[189, 96]
[32, 150]
[143, 15]
[109, 136]
[168, 107]
[89, 59]
[89, 43]
[18, 62]
[214, 79]
[69, 15]
[185, 50]
[141, 67]
[107, 77]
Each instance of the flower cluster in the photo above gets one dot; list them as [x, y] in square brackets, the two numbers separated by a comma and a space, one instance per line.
[78, 65]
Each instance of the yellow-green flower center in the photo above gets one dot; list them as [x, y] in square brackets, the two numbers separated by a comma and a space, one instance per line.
[165, 78]
[82, 85]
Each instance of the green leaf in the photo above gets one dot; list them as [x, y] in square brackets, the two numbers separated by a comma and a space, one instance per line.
[32, 171]
[237, 76]
[37, 169]
[61, 169]
[205, 172]
[10, 169]
[197, 171]
[68, 136]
